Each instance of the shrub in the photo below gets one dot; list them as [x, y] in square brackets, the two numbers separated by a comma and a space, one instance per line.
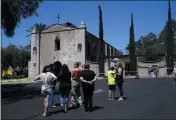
[7, 76]
[13, 76]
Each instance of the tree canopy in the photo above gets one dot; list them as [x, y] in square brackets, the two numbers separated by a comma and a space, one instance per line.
[15, 10]
[39, 27]
[153, 44]
[17, 57]
[163, 36]
[101, 48]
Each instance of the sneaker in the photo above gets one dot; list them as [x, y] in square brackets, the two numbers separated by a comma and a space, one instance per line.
[70, 105]
[53, 106]
[62, 107]
[65, 108]
[110, 98]
[86, 110]
[44, 114]
[120, 99]
[80, 104]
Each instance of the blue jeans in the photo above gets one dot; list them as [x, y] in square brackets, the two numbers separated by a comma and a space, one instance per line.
[64, 97]
[51, 100]
[49, 92]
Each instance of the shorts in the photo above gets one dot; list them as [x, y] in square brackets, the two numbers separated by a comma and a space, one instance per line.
[112, 87]
[48, 91]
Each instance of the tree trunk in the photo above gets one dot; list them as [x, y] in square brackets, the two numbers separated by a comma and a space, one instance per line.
[39, 53]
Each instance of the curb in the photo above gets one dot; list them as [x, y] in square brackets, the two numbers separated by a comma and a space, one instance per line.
[16, 81]
[13, 83]
[134, 77]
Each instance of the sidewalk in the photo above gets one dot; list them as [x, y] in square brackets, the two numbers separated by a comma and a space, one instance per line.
[133, 77]
[170, 76]
[17, 81]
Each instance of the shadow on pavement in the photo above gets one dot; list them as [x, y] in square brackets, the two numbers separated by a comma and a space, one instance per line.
[15, 93]
[54, 112]
[96, 108]
[60, 111]
[33, 116]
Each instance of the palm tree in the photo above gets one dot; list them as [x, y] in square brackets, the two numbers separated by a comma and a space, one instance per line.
[14, 10]
[39, 28]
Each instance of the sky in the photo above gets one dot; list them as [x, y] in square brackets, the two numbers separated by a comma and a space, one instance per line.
[149, 16]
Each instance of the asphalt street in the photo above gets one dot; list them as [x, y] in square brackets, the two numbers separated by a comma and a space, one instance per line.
[144, 98]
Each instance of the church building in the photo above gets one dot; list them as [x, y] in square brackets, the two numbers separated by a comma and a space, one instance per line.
[65, 43]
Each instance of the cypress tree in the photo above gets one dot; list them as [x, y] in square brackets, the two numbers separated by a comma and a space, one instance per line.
[169, 43]
[101, 46]
[132, 49]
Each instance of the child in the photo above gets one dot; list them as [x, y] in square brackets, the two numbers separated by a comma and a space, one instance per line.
[111, 75]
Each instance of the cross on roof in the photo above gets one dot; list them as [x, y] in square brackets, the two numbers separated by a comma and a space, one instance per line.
[58, 17]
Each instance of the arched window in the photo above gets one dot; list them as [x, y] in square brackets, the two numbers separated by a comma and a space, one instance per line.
[57, 43]
[79, 47]
[34, 50]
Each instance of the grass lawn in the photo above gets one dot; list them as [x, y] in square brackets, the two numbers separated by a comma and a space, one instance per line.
[16, 80]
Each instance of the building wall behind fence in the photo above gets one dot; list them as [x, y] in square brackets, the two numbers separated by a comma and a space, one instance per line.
[143, 68]
[94, 67]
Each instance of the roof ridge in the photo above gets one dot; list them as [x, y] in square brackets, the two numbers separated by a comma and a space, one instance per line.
[63, 24]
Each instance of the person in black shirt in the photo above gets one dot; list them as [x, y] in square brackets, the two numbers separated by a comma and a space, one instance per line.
[88, 77]
[119, 80]
[64, 86]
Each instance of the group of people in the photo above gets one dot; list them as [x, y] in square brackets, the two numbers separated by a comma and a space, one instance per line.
[115, 78]
[153, 71]
[70, 83]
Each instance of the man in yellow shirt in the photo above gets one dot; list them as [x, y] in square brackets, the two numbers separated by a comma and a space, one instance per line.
[111, 75]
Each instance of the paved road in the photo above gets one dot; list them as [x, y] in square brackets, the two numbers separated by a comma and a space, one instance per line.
[145, 98]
